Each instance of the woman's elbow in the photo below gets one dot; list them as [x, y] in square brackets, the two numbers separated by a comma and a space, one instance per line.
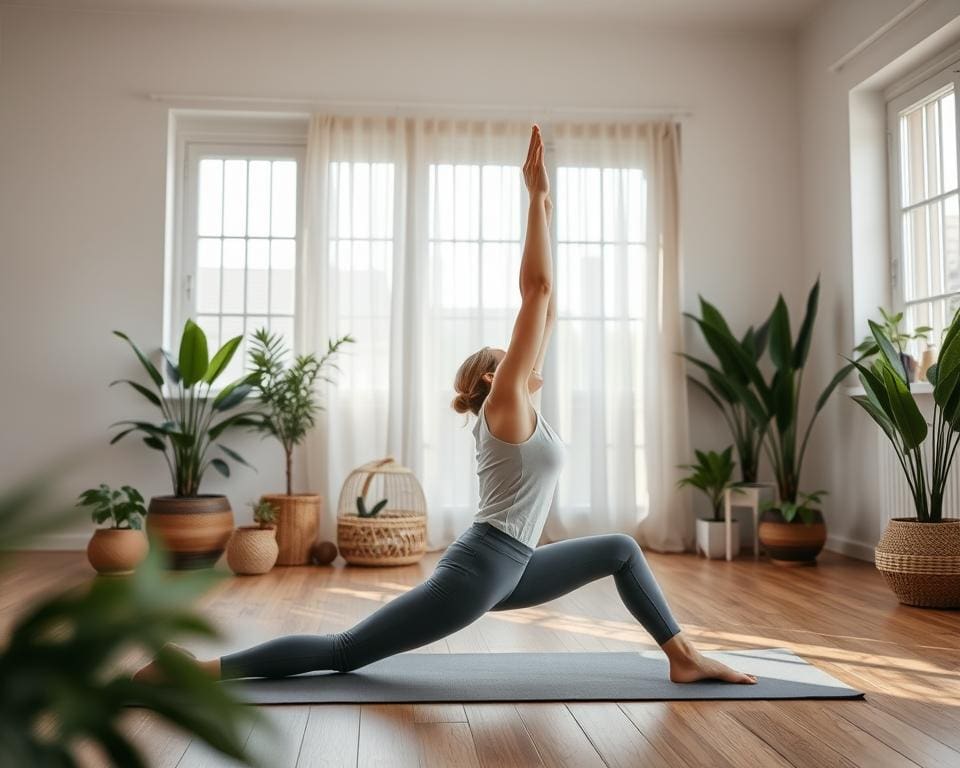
[537, 287]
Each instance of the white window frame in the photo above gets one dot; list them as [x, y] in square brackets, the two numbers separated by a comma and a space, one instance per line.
[899, 101]
[195, 136]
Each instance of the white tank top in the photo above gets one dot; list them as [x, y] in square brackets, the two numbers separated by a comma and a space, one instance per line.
[517, 480]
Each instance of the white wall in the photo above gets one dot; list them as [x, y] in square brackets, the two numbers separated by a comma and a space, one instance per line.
[844, 451]
[82, 176]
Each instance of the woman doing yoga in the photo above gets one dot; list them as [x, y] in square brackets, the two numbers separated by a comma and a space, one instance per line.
[494, 565]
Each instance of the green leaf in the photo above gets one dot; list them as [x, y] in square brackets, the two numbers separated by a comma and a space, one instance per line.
[221, 466]
[906, 414]
[155, 442]
[173, 371]
[193, 354]
[889, 352]
[150, 367]
[222, 359]
[783, 398]
[933, 373]
[780, 342]
[838, 377]
[232, 395]
[234, 455]
[802, 348]
[882, 420]
[141, 389]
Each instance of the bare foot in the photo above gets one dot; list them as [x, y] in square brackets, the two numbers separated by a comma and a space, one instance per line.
[687, 665]
[152, 673]
[703, 668]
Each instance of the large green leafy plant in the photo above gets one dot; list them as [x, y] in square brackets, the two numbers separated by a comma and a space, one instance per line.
[892, 406]
[746, 431]
[774, 404]
[713, 475]
[61, 682]
[191, 421]
[287, 393]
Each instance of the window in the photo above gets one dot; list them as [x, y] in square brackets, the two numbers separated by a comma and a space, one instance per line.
[926, 217]
[237, 270]
[601, 252]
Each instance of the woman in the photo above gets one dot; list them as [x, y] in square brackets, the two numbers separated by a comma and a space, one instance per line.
[494, 566]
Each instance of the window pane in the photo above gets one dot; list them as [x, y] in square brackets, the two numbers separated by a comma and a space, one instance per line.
[951, 244]
[208, 275]
[233, 269]
[210, 325]
[258, 275]
[283, 263]
[235, 198]
[501, 202]
[230, 327]
[284, 194]
[501, 266]
[912, 157]
[932, 126]
[210, 203]
[948, 140]
[381, 194]
[259, 199]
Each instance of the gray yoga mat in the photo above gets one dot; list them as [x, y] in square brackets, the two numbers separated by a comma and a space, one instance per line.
[459, 677]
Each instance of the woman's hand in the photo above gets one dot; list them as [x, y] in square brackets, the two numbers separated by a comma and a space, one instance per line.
[534, 171]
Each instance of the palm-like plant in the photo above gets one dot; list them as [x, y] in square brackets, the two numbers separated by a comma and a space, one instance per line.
[713, 475]
[61, 685]
[747, 433]
[288, 394]
[775, 404]
[892, 406]
[191, 420]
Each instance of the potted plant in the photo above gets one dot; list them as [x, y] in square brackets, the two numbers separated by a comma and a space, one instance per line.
[288, 398]
[119, 548]
[194, 527]
[890, 328]
[253, 549]
[747, 433]
[792, 530]
[712, 474]
[918, 556]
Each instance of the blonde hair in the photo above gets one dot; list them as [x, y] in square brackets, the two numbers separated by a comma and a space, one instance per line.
[469, 383]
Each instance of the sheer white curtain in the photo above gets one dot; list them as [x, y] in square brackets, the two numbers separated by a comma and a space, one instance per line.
[618, 393]
[413, 234]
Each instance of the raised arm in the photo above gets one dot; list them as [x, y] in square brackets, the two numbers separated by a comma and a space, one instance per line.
[510, 414]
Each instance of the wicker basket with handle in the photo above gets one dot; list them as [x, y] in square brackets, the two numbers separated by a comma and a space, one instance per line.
[397, 535]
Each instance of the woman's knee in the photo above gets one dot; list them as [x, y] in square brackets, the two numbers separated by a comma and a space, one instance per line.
[624, 547]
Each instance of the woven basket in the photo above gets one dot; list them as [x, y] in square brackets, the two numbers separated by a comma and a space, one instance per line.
[395, 536]
[252, 550]
[921, 562]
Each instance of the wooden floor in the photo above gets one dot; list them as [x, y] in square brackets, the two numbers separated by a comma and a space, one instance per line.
[838, 616]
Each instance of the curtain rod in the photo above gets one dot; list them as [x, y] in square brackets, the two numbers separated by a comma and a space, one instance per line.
[274, 102]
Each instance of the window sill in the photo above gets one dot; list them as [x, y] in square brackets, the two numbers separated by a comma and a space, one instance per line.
[916, 388]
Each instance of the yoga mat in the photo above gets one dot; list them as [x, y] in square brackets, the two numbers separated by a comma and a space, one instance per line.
[459, 677]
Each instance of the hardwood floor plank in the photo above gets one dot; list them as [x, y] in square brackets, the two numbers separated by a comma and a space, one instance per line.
[500, 737]
[331, 737]
[277, 740]
[615, 737]
[557, 736]
[792, 741]
[199, 755]
[439, 713]
[737, 744]
[444, 745]
[674, 738]
[388, 737]
[906, 739]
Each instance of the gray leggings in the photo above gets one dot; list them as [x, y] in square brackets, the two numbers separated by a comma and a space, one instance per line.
[484, 570]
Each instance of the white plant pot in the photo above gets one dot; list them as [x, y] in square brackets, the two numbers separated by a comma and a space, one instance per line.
[712, 536]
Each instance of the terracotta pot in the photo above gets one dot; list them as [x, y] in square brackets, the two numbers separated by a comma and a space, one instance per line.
[116, 551]
[793, 543]
[298, 521]
[921, 562]
[194, 530]
[252, 550]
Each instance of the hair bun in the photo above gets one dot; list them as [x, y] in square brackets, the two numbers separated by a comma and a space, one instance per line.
[461, 403]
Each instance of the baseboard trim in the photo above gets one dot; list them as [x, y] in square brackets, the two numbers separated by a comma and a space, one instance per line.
[59, 541]
[850, 547]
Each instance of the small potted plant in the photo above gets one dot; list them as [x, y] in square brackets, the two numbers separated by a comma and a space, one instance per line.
[194, 527]
[119, 548]
[918, 556]
[252, 549]
[288, 399]
[890, 327]
[712, 474]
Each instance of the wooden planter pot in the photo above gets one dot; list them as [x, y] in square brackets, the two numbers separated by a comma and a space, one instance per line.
[794, 543]
[252, 550]
[194, 530]
[921, 562]
[116, 551]
[298, 521]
